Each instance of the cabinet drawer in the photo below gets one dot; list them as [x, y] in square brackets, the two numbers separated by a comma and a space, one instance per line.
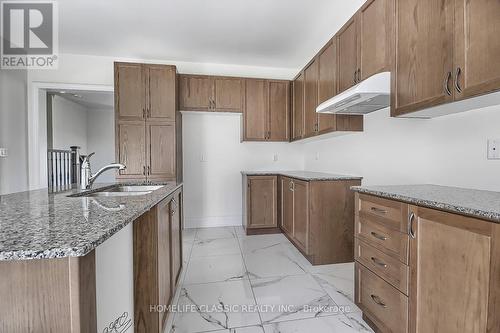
[384, 304]
[391, 213]
[387, 267]
[388, 240]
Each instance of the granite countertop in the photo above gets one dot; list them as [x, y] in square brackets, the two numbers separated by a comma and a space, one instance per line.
[302, 175]
[37, 224]
[475, 203]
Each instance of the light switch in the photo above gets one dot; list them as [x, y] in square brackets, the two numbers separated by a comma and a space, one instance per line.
[275, 157]
[4, 152]
[494, 149]
[317, 156]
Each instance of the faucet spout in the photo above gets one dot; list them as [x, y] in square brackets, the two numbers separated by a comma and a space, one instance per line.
[106, 168]
[87, 179]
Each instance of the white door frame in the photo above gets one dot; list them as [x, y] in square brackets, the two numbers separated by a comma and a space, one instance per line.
[35, 170]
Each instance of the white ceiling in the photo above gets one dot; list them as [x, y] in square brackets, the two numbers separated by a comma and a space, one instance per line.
[97, 100]
[269, 33]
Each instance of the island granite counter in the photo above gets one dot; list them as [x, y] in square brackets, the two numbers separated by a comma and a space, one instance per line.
[38, 224]
[70, 262]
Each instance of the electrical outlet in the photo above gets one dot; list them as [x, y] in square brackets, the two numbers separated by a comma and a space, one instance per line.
[317, 156]
[203, 157]
[4, 152]
[494, 149]
[275, 157]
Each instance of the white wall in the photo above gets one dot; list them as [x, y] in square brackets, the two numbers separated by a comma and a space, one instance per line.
[69, 124]
[92, 129]
[449, 150]
[14, 168]
[213, 189]
[101, 140]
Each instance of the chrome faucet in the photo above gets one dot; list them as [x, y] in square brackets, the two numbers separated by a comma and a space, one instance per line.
[88, 178]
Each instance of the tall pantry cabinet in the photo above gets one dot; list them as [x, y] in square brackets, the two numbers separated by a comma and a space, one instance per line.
[147, 124]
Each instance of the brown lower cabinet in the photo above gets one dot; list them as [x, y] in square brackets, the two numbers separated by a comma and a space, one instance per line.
[315, 215]
[422, 270]
[260, 206]
[157, 262]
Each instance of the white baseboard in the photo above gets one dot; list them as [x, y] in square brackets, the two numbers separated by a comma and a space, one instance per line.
[213, 221]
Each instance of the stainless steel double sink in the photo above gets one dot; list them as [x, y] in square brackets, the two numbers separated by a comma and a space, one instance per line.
[124, 191]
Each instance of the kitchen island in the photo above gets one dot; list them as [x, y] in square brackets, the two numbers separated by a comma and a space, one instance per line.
[48, 262]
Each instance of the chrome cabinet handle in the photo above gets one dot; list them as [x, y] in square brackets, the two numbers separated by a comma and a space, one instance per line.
[355, 77]
[359, 74]
[379, 262]
[378, 301]
[447, 84]
[144, 170]
[378, 210]
[457, 77]
[411, 218]
[149, 170]
[378, 236]
[143, 113]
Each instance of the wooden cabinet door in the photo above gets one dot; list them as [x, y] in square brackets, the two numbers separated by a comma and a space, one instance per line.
[477, 47]
[301, 213]
[279, 111]
[131, 148]
[262, 192]
[161, 152]
[228, 94]
[164, 275]
[327, 83]
[286, 188]
[130, 91]
[376, 36]
[450, 259]
[424, 58]
[161, 92]
[347, 46]
[255, 113]
[195, 93]
[298, 107]
[176, 237]
[310, 99]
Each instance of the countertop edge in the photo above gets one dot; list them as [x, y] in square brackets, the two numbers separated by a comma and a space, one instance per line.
[290, 174]
[461, 210]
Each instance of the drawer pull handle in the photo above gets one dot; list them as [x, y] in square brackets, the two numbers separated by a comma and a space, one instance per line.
[411, 232]
[379, 262]
[378, 236]
[378, 210]
[377, 300]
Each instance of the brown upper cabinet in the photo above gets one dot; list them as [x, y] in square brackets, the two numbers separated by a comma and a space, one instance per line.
[311, 74]
[266, 115]
[365, 43]
[446, 51]
[145, 91]
[298, 107]
[145, 117]
[327, 83]
[210, 93]
[424, 61]
[348, 55]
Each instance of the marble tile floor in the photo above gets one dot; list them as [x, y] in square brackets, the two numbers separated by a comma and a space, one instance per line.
[234, 283]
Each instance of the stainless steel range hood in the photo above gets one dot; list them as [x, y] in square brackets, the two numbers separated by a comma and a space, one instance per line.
[370, 95]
